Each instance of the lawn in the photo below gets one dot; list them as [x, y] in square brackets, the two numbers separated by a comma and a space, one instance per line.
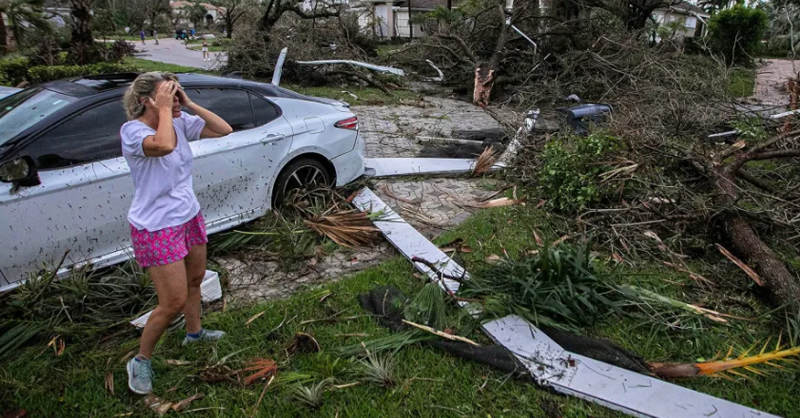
[429, 383]
[147, 65]
[211, 48]
[743, 82]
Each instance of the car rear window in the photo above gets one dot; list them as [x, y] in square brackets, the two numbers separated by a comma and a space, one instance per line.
[20, 111]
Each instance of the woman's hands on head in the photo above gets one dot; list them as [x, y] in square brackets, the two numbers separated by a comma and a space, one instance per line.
[165, 95]
[183, 98]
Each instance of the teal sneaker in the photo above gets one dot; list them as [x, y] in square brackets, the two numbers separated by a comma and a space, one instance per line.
[204, 335]
[140, 376]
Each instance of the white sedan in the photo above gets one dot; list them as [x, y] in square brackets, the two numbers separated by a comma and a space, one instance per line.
[68, 187]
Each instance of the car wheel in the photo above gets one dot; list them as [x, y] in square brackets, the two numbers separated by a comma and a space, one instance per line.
[302, 174]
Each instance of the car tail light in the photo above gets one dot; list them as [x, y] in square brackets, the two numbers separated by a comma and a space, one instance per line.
[351, 123]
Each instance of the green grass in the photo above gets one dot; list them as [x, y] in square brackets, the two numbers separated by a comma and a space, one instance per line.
[743, 82]
[211, 48]
[147, 65]
[430, 383]
[365, 96]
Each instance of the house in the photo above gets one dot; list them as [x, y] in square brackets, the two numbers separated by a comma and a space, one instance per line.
[213, 13]
[691, 21]
[390, 19]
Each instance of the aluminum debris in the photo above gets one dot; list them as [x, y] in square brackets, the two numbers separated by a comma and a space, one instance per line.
[784, 114]
[613, 387]
[387, 167]
[515, 144]
[441, 74]
[276, 75]
[373, 67]
[549, 364]
[210, 290]
[410, 242]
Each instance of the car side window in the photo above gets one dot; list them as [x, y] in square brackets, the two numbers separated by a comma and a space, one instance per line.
[264, 111]
[232, 105]
[89, 136]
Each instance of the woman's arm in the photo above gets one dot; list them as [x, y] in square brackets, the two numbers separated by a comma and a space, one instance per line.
[164, 141]
[215, 125]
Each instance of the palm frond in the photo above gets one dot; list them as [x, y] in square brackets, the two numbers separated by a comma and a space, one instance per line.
[349, 228]
[484, 162]
[728, 364]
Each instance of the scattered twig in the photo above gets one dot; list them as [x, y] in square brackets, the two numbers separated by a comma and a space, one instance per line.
[261, 397]
[441, 334]
[750, 272]
[253, 318]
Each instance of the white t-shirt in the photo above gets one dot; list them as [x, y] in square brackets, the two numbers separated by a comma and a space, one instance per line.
[163, 191]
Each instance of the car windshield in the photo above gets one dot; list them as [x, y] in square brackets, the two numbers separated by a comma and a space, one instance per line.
[20, 111]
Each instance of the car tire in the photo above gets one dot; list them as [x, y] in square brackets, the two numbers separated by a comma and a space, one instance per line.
[300, 174]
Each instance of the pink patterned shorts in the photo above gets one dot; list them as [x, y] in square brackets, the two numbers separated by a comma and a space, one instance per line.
[168, 245]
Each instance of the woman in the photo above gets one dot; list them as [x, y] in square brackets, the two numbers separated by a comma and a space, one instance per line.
[167, 229]
[205, 51]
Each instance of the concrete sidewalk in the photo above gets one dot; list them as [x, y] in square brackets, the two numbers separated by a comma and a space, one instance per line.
[173, 51]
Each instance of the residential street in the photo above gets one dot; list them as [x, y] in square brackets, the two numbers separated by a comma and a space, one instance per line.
[173, 51]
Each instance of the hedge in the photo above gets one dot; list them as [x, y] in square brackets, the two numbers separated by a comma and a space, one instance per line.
[44, 73]
[13, 72]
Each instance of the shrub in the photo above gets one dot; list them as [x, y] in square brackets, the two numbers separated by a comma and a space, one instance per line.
[119, 50]
[41, 74]
[13, 71]
[571, 167]
[736, 33]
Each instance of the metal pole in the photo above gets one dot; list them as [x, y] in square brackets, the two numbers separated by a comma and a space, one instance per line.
[410, 26]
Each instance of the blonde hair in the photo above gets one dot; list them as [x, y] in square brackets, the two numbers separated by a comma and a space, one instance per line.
[141, 88]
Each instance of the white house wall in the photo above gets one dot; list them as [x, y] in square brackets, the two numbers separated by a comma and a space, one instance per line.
[401, 24]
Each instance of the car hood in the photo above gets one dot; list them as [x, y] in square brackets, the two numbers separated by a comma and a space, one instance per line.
[7, 91]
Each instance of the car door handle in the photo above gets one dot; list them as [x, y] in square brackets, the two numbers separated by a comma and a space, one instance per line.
[271, 138]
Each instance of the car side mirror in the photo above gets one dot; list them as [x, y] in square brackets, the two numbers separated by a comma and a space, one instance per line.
[20, 171]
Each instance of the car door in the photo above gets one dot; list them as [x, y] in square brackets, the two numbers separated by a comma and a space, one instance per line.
[80, 207]
[232, 174]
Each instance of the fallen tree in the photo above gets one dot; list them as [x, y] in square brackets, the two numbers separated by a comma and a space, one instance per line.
[670, 192]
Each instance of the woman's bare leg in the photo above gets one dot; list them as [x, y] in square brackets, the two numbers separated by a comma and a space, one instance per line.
[195, 271]
[171, 287]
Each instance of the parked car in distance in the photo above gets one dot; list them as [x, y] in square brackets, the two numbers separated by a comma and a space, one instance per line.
[67, 186]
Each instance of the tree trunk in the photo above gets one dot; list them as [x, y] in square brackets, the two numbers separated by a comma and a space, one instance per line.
[782, 286]
[228, 29]
[265, 26]
[83, 49]
[3, 36]
[485, 73]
